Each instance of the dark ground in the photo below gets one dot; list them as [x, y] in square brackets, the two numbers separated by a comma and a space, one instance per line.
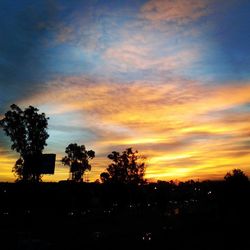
[205, 216]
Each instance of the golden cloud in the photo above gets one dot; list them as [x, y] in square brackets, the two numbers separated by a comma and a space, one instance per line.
[173, 123]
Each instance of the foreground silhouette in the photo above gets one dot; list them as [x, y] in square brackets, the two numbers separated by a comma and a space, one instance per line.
[68, 215]
[236, 177]
[78, 160]
[126, 168]
[121, 213]
[27, 130]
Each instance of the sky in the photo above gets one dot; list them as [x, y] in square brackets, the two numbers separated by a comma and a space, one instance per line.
[170, 78]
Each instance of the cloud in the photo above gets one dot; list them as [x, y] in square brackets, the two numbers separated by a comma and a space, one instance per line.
[131, 57]
[177, 11]
[154, 55]
[174, 123]
[126, 105]
[114, 43]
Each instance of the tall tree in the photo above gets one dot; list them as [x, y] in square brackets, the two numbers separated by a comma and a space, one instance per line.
[78, 160]
[27, 130]
[127, 167]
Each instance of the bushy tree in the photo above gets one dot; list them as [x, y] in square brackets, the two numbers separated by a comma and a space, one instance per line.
[105, 177]
[78, 160]
[18, 169]
[27, 130]
[127, 167]
[237, 176]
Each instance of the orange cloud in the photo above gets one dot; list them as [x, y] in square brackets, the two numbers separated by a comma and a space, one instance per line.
[180, 11]
[146, 115]
[175, 124]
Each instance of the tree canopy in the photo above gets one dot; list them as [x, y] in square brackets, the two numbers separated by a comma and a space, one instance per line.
[27, 130]
[237, 176]
[127, 167]
[78, 160]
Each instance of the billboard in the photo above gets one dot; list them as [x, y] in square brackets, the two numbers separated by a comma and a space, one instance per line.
[42, 164]
[47, 164]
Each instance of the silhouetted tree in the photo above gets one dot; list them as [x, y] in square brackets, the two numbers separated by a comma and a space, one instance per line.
[78, 160]
[237, 176]
[27, 130]
[127, 167]
[105, 177]
[18, 169]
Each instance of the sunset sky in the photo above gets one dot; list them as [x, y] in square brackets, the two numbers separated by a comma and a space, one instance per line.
[170, 78]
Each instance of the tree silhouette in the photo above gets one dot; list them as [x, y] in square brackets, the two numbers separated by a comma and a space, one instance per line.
[105, 177]
[127, 167]
[78, 160]
[237, 176]
[27, 130]
[18, 169]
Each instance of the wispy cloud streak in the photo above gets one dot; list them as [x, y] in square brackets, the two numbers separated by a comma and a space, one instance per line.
[175, 124]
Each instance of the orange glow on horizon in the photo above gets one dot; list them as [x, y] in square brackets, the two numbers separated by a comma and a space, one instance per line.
[176, 128]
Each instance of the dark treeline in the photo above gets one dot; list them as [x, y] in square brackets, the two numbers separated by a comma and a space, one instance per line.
[122, 210]
[69, 215]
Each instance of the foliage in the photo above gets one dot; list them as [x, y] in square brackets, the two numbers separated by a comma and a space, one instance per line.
[27, 130]
[18, 169]
[78, 160]
[127, 167]
[237, 176]
[104, 177]
[19, 172]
